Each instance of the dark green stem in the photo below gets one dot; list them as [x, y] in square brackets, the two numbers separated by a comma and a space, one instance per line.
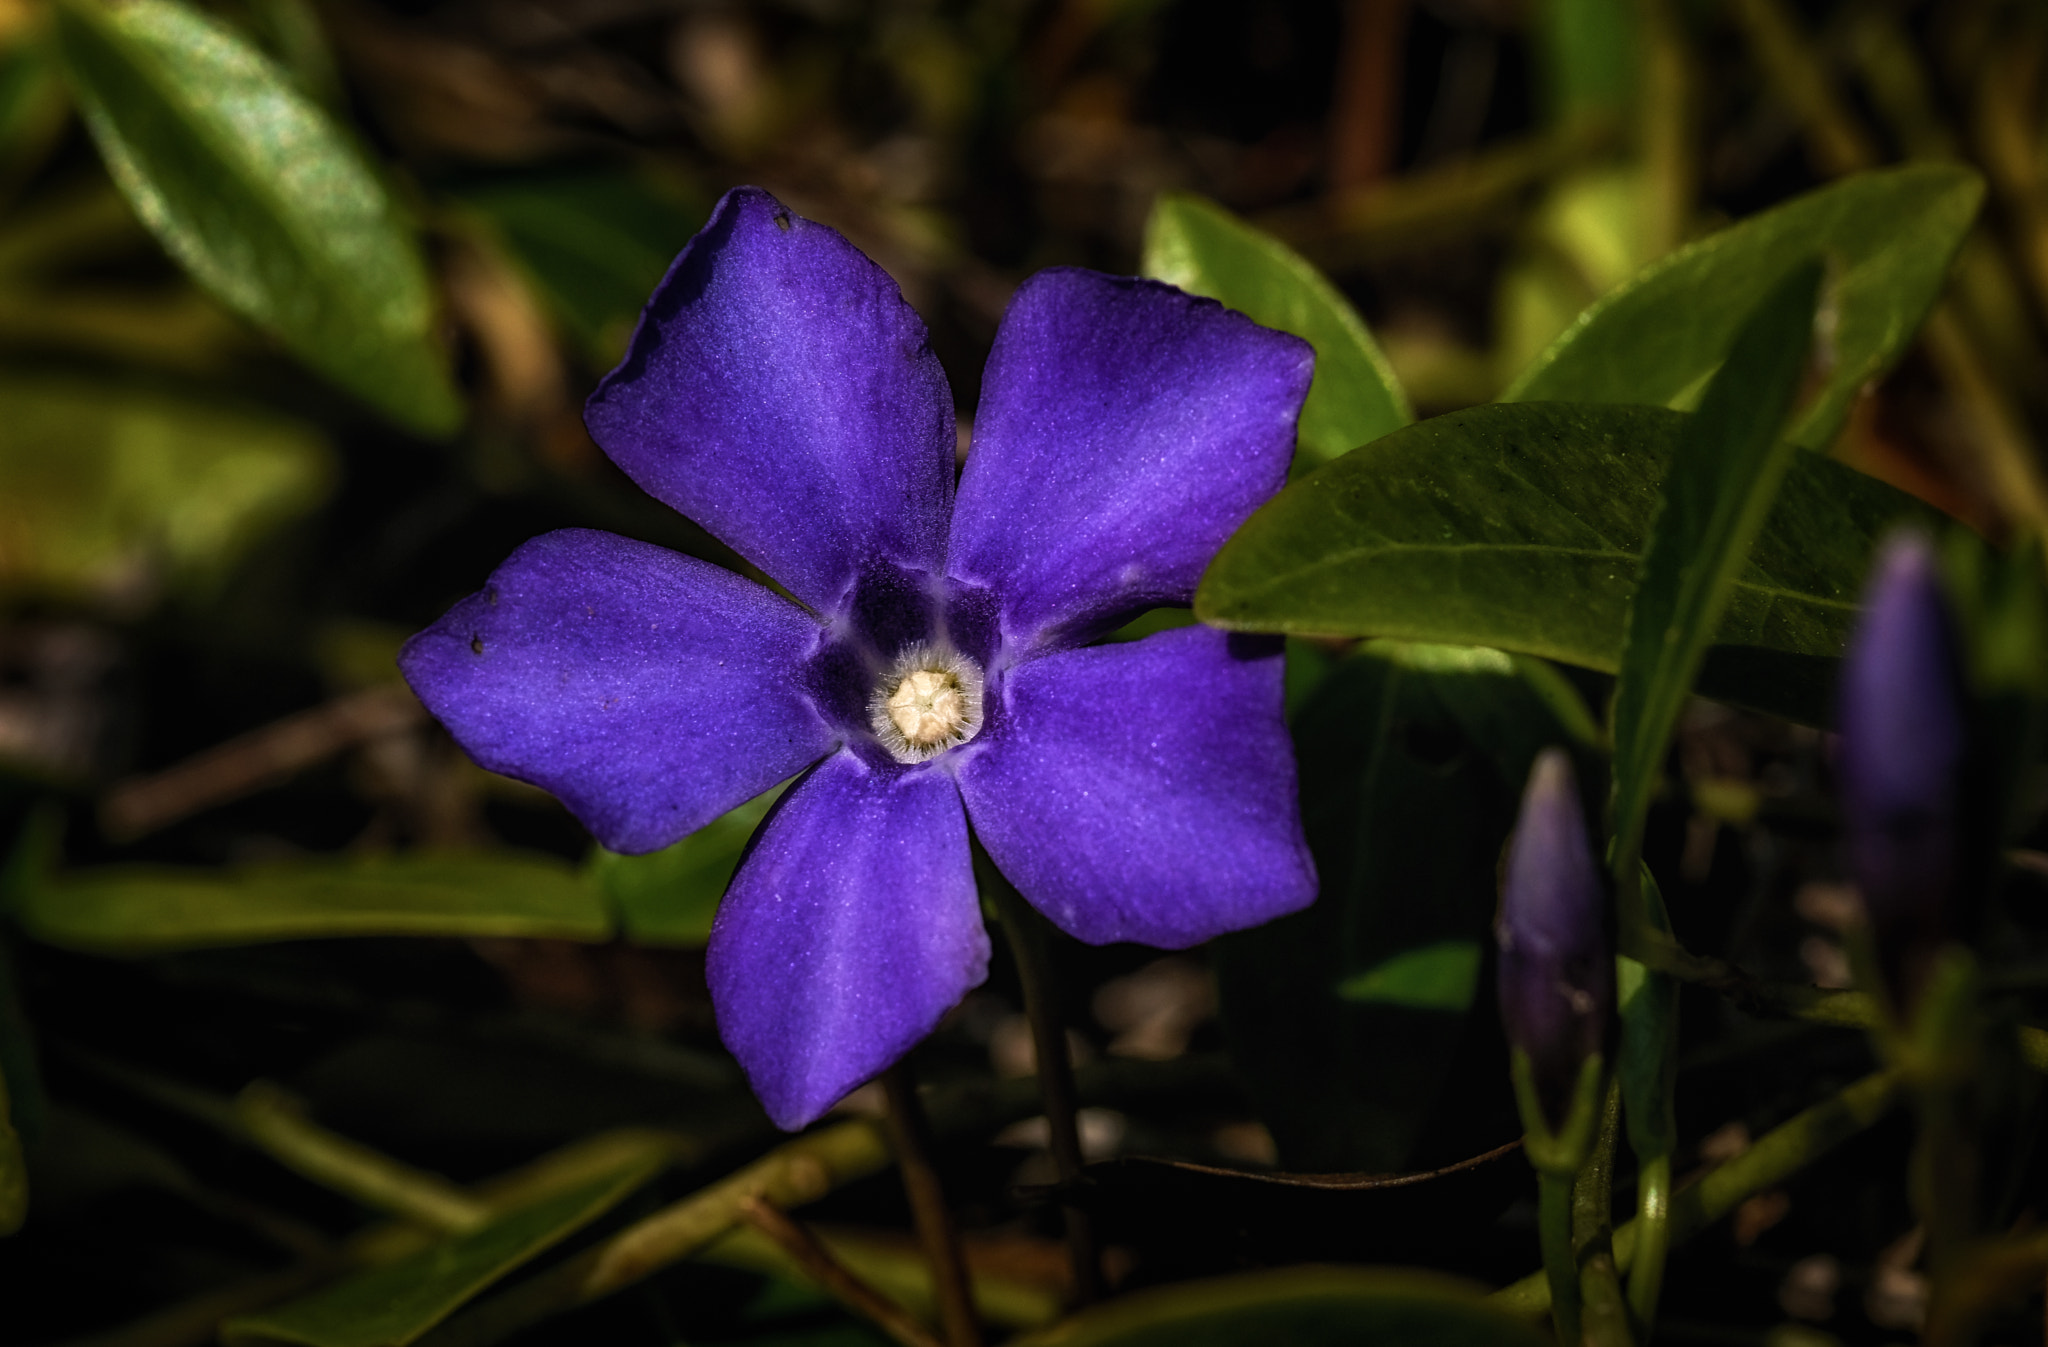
[1603, 1314]
[1029, 939]
[1560, 1260]
[910, 1136]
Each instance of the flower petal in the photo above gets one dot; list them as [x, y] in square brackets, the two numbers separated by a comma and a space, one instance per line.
[649, 690]
[1145, 791]
[780, 392]
[850, 929]
[1125, 430]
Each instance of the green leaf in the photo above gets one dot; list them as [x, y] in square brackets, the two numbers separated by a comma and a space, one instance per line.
[146, 909]
[256, 193]
[1589, 53]
[396, 1303]
[1349, 1020]
[669, 897]
[1887, 237]
[108, 492]
[1724, 475]
[1301, 1307]
[1435, 977]
[1203, 249]
[1519, 527]
[1647, 1062]
[596, 241]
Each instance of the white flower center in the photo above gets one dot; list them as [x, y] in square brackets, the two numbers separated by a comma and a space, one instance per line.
[929, 701]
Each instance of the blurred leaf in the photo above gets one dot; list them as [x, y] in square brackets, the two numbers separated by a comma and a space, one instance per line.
[1301, 1307]
[145, 909]
[669, 897]
[1347, 1019]
[1203, 249]
[1724, 475]
[1519, 527]
[33, 109]
[1887, 238]
[394, 1304]
[1588, 55]
[261, 197]
[596, 241]
[107, 491]
[1435, 977]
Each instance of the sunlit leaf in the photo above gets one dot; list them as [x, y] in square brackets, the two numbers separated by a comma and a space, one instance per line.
[1203, 249]
[1519, 527]
[1302, 1307]
[1887, 238]
[251, 187]
[1724, 474]
[110, 492]
[1348, 1020]
[394, 1304]
[137, 909]
[669, 897]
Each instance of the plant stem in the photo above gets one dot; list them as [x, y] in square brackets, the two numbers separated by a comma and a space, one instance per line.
[831, 1274]
[1603, 1314]
[910, 1136]
[1777, 1156]
[1029, 946]
[1652, 1227]
[1560, 1262]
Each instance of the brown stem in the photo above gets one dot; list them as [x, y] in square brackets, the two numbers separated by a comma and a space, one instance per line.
[1027, 935]
[910, 1136]
[828, 1272]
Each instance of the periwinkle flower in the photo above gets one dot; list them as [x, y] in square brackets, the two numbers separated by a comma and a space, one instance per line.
[1556, 963]
[1901, 764]
[934, 666]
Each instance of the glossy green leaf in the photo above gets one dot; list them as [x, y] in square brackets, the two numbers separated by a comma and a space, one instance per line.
[1301, 1307]
[669, 897]
[596, 240]
[108, 492]
[257, 193]
[143, 909]
[1724, 475]
[394, 1304]
[1203, 249]
[1887, 238]
[1519, 527]
[1348, 1020]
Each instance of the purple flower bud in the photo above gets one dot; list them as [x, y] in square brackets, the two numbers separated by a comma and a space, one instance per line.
[1904, 742]
[1556, 964]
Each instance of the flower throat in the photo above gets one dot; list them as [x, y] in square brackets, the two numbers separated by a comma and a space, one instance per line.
[928, 701]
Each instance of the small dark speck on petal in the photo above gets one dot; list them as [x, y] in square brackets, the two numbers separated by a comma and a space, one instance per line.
[476, 645]
[589, 610]
[782, 221]
[494, 598]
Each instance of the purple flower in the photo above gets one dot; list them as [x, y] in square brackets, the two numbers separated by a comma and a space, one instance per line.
[933, 669]
[1556, 967]
[1901, 762]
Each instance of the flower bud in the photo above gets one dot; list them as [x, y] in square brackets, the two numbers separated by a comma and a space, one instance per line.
[1905, 739]
[1556, 964]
